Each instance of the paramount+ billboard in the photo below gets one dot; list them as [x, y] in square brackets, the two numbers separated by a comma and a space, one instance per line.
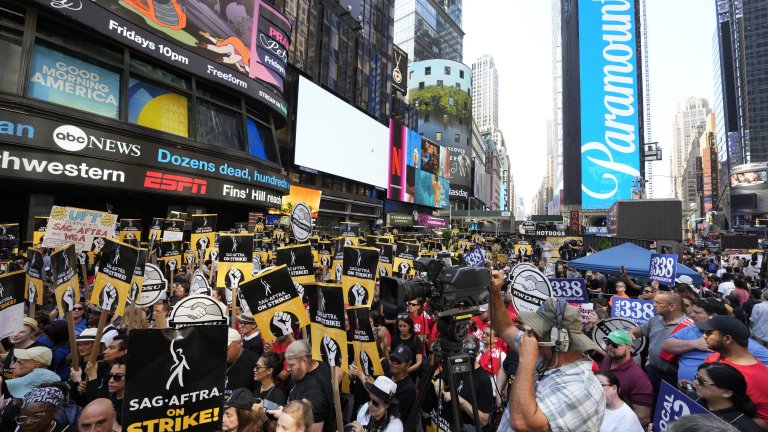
[610, 135]
[240, 44]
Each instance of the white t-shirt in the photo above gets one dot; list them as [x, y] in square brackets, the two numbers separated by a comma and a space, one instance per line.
[620, 420]
[546, 250]
[725, 288]
[394, 425]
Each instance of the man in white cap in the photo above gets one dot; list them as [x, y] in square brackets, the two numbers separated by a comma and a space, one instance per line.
[30, 367]
[240, 364]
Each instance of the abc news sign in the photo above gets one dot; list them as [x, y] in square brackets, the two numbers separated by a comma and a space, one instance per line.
[69, 154]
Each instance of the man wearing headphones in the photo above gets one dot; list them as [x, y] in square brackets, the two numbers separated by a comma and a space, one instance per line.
[555, 388]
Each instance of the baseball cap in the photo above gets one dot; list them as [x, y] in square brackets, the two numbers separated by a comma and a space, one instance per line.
[685, 279]
[42, 355]
[726, 325]
[298, 349]
[246, 318]
[543, 320]
[619, 337]
[402, 354]
[241, 399]
[233, 336]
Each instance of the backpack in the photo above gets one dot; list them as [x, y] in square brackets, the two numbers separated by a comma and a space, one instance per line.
[712, 268]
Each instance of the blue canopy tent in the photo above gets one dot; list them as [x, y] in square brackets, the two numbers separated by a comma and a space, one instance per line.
[634, 258]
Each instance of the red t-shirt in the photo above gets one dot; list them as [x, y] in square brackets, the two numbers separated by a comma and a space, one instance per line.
[491, 359]
[421, 324]
[756, 376]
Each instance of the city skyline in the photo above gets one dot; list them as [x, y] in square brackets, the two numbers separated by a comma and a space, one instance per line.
[525, 123]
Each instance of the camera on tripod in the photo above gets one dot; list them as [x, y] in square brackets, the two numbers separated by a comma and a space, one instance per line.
[454, 294]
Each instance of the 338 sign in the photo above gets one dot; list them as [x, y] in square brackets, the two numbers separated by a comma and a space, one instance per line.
[671, 405]
[637, 311]
[570, 290]
[663, 268]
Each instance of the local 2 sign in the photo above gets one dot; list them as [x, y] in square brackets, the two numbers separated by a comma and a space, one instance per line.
[26, 163]
[29, 130]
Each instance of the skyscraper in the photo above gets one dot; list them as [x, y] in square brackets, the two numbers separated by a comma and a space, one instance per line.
[485, 93]
[743, 46]
[429, 29]
[690, 113]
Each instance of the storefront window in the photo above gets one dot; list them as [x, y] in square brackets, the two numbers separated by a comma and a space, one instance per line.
[74, 82]
[218, 126]
[260, 141]
[159, 75]
[157, 108]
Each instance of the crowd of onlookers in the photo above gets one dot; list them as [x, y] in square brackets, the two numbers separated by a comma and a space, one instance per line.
[708, 341]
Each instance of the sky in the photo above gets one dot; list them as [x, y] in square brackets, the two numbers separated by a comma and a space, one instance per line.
[518, 34]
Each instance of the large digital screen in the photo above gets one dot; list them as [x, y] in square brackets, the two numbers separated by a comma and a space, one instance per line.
[62, 79]
[409, 181]
[610, 148]
[242, 44]
[334, 137]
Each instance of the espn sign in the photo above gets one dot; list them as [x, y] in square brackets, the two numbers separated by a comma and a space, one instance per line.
[174, 182]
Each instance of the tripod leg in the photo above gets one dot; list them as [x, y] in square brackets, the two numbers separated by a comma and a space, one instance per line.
[416, 410]
[473, 400]
[454, 402]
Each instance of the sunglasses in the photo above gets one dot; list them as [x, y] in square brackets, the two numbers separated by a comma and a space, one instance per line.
[610, 343]
[700, 381]
[413, 304]
[116, 377]
[375, 403]
[77, 309]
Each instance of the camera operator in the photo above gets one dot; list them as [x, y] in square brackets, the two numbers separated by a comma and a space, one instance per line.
[567, 395]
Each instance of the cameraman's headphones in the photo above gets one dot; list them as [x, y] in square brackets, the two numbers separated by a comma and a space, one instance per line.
[559, 336]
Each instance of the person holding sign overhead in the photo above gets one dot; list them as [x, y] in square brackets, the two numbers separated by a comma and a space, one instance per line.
[554, 388]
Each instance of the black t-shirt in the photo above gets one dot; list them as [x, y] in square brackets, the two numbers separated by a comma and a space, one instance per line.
[308, 388]
[442, 418]
[274, 394]
[255, 344]
[240, 373]
[413, 343]
[737, 419]
[406, 396]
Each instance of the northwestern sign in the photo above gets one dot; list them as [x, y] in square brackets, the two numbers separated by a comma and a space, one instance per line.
[610, 151]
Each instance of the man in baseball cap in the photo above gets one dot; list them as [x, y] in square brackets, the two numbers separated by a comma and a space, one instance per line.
[556, 359]
[31, 369]
[635, 387]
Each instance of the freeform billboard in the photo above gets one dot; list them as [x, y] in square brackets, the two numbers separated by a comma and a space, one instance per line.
[240, 44]
[610, 148]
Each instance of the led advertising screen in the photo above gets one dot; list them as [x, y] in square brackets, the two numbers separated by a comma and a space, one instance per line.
[242, 44]
[408, 180]
[335, 137]
[610, 148]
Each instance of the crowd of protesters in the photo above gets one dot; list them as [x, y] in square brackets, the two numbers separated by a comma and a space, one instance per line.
[709, 341]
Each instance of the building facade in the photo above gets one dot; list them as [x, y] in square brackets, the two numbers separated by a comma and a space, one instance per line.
[485, 93]
[690, 113]
[429, 29]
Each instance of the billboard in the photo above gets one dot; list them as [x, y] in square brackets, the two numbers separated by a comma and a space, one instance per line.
[416, 174]
[749, 194]
[240, 44]
[399, 70]
[610, 148]
[335, 137]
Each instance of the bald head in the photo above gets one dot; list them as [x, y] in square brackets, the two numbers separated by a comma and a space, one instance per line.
[97, 416]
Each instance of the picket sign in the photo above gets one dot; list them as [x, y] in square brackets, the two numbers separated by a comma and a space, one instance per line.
[637, 311]
[571, 290]
[671, 405]
[475, 258]
[663, 268]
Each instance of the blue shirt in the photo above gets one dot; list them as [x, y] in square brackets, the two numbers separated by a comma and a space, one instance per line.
[689, 362]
